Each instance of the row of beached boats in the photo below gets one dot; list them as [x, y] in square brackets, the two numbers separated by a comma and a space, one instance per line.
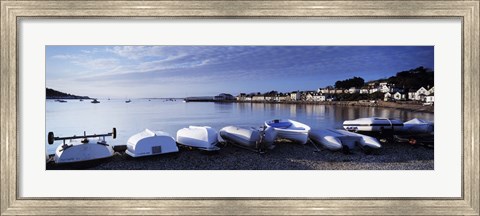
[260, 139]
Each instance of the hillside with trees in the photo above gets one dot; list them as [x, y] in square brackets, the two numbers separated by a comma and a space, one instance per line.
[413, 79]
[54, 94]
[356, 82]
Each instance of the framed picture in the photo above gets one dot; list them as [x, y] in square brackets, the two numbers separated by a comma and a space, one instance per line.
[217, 60]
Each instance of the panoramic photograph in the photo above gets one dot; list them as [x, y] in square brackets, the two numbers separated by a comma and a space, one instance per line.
[239, 107]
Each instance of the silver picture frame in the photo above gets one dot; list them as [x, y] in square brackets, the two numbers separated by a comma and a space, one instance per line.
[12, 11]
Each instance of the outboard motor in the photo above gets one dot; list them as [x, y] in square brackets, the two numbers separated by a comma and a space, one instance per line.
[269, 136]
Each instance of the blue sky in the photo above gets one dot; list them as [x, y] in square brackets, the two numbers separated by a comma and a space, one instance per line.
[180, 71]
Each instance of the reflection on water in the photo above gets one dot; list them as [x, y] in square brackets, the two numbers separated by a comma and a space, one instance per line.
[74, 117]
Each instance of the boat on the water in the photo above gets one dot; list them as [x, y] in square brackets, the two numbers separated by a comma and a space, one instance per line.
[201, 137]
[128, 101]
[149, 142]
[252, 138]
[95, 101]
[340, 139]
[418, 126]
[373, 124]
[61, 100]
[82, 148]
[290, 129]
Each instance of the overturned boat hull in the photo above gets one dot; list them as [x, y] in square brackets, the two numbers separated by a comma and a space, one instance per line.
[328, 139]
[252, 138]
[77, 151]
[147, 143]
[201, 137]
[340, 139]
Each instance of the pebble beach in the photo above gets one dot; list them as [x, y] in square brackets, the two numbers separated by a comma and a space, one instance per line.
[285, 156]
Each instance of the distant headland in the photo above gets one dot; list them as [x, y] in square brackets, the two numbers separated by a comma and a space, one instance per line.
[54, 94]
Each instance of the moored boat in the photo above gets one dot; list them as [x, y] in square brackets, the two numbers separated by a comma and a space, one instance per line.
[201, 137]
[82, 148]
[373, 124]
[251, 138]
[149, 142]
[95, 101]
[290, 129]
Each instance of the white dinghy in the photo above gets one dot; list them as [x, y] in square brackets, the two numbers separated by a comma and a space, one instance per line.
[373, 124]
[327, 138]
[364, 141]
[149, 142]
[201, 137]
[82, 148]
[418, 126]
[341, 139]
[251, 138]
[289, 129]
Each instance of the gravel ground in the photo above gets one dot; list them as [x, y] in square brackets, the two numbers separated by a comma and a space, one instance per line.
[286, 156]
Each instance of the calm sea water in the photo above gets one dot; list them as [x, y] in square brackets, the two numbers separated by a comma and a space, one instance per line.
[74, 117]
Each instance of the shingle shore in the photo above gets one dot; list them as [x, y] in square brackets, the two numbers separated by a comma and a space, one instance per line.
[286, 156]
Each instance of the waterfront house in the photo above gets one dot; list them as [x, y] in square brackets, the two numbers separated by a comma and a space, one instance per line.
[319, 97]
[281, 97]
[430, 98]
[258, 98]
[422, 90]
[309, 96]
[269, 98]
[314, 96]
[363, 90]
[421, 93]
[338, 91]
[387, 96]
[372, 85]
[373, 90]
[411, 95]
[241, 97]
[323, 90]
[295, 96]
[384, 87]
[431, 90]
[398, 96]
[353, 90]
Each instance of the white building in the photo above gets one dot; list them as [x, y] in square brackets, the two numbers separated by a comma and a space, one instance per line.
[398, 96]
[387, 96]
[430, 98]
[373, 90]
[364, 91]
[353, 90]
[294, 96]
[431, 90]
[258, 98]
[421, 93]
